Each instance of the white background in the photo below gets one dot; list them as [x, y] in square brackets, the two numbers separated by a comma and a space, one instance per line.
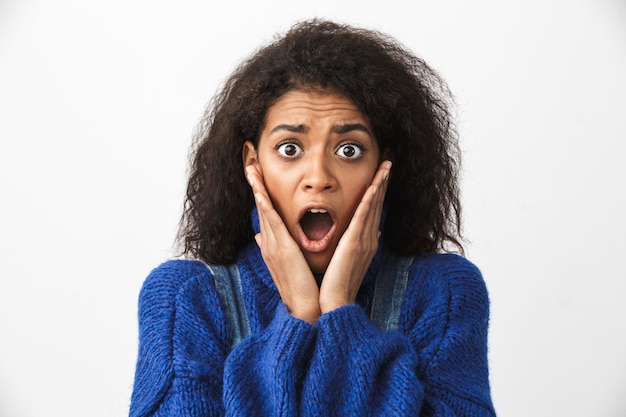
[98, 102]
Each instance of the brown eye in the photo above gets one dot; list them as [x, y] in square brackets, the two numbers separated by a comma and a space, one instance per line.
[349, 151]
[289, 150]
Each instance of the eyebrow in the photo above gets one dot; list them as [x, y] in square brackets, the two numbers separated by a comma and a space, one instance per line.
[351, 127]
[289, 128]
[335, 129]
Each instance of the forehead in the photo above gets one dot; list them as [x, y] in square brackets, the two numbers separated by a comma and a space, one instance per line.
[312, 107]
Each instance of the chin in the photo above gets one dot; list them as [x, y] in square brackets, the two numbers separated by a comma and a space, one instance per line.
[317, 264]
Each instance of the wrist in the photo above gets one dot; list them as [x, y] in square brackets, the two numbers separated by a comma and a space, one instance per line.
[307, 313]
[333, 304]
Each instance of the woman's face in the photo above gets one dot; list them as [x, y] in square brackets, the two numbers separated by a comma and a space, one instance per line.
[317, 156]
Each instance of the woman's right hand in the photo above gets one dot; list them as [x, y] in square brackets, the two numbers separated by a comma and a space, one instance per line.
[282, 255]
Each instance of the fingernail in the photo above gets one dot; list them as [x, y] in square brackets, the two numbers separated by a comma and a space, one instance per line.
[250, 179]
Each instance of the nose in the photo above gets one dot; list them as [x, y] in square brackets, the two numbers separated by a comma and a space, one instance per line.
[319, 174]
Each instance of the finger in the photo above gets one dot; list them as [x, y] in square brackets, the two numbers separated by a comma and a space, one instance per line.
[271, 218]
[255, 179]
[379, 184]
[258, 189]
[261, 215]
[380, 195]
[276, 242]
[369, 210]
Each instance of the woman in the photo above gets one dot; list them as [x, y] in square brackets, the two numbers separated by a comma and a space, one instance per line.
[315, 278]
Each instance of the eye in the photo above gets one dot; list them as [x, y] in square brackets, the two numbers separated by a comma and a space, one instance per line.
[289, 149]
[350, 151]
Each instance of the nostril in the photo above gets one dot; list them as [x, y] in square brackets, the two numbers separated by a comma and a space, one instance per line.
[318, 179]
[323, 187]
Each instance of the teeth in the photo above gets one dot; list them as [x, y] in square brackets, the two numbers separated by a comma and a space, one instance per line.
[317, 211]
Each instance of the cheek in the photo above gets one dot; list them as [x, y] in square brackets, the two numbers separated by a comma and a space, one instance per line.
[361, 180]
[356, 184]
[358, 194]
[277, 186]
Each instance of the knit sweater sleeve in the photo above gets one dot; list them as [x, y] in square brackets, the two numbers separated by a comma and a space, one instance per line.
[455, 357]
[436, 366]
[182, 344]
[263, 374]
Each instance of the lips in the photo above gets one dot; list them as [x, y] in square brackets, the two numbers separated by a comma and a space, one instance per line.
[316, 228]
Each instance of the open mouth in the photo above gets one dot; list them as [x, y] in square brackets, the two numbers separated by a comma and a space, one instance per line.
[316, 224]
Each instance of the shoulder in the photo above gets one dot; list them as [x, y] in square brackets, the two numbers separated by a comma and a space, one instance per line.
[448, 264]
[172, 275]
[448, 284]
[177, 284]
[172, 278]
[176, 293]
[163, 288]
[447, 271]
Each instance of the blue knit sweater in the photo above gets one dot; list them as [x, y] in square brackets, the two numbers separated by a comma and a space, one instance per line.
[435, 364]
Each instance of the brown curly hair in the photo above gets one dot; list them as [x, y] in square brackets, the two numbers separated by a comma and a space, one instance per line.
[407, 103]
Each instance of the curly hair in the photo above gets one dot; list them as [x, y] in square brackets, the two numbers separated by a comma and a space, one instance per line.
[406, 101]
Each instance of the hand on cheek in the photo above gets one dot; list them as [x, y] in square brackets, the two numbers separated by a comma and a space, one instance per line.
[284, 259]
[357, 246]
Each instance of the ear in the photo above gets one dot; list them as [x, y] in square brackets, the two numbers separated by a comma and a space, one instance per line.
[249, 156]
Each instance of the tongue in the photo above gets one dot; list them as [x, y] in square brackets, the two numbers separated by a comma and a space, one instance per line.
[316, 225]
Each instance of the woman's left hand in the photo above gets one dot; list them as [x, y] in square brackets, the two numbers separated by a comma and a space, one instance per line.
[357, 246]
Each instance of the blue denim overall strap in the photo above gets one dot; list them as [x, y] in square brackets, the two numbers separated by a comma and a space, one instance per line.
[228, 285]
[389, 290]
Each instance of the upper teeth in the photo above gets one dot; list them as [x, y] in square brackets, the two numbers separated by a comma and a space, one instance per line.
[316, 211]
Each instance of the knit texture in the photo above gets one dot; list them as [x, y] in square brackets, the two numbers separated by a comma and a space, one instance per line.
[435, 364]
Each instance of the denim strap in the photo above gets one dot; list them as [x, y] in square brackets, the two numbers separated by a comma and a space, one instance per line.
[389, 291]
[390, 286]
[228, 285]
